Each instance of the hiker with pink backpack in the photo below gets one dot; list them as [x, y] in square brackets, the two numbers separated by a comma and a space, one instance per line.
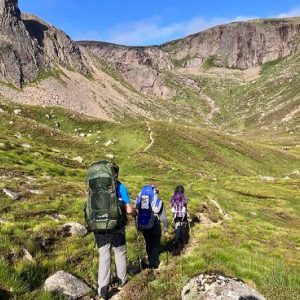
[180, 219]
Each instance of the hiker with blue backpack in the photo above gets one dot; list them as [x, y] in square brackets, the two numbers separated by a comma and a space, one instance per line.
[180, 219]
[106, 210]
[150, 213]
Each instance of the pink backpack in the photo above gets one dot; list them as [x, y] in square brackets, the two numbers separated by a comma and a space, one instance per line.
[179, 204]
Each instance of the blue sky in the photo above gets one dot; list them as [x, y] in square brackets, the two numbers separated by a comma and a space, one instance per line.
[145, 22]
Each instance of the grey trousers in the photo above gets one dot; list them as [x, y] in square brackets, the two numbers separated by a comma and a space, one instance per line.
[104, 265]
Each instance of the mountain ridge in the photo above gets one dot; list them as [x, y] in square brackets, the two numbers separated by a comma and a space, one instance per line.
[41, 65]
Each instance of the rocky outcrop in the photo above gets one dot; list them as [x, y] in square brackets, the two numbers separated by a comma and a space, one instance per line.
[217, 286]
[239, 45]
[56, 46]
[29, 45]
[141, 66]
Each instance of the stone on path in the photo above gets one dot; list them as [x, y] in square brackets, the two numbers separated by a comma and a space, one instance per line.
[66, 285]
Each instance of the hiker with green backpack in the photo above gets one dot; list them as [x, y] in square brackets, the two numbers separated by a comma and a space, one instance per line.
[106, 211]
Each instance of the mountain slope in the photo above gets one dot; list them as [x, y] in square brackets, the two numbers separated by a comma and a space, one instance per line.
[216, 78]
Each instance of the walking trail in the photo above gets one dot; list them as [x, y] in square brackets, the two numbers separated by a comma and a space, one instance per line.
[213, 107]
[151, 137]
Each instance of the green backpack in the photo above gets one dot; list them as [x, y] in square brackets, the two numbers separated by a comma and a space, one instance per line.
[103, 209]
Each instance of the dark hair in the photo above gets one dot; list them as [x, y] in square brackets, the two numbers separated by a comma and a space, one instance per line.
[179, 189]
[115, 168]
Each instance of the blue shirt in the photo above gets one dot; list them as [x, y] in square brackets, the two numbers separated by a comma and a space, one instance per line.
[123, 193]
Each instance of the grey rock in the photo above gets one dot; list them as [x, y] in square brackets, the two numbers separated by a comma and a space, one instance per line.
[17, 111]
[26, 255]
[217, 286]
[74, 229]
[11, 194]
[3, 146]
[26, 146]
[57, 217]
[66, 285]
[108, 143]
[78, 159]
[36, 192]
[3, 221]
[267, 178]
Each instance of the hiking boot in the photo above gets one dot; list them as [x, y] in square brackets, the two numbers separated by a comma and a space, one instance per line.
[121, 285]
[104, 293]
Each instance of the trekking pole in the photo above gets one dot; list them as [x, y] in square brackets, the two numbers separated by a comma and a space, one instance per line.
[138, 244]
[189, 223]
[167, 250]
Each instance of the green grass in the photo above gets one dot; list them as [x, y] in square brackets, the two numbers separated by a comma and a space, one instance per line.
[209, 63]
[261, 236]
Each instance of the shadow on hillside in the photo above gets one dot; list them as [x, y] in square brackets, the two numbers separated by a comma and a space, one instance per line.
[36, 30]
[248, 298]
[185, 232]
[5, 294]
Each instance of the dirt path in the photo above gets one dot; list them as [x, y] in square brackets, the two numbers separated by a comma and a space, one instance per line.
[213, 107]
[151, 137]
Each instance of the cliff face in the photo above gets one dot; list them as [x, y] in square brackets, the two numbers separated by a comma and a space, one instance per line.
[141, 66]
[132, 81]
[28, 45]
[237, 45]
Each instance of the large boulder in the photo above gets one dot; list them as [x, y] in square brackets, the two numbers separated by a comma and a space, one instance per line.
[66, 284]
[217, 286]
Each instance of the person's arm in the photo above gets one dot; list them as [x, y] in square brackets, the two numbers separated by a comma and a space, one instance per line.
[130, 210]
[163, 218]
[126, 200]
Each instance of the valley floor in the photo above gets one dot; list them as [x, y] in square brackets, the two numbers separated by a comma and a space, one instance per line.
[254, 181]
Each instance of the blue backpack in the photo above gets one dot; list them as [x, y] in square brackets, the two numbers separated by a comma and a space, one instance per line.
[148, 206]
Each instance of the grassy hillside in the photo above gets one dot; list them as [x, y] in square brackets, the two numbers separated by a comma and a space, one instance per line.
[250, 177]
[269, 100]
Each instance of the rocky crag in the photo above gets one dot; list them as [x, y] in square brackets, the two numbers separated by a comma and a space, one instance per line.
[211, 77]
[239, 45]
[29, 45]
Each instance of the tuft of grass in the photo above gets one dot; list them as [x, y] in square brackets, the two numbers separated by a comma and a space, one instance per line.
[209, 63]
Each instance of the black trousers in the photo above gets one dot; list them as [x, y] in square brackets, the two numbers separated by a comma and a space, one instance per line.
[152, 239]
[181, 232]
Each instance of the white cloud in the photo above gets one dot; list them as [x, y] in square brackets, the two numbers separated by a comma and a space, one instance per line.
[143, 32]
[90, 35]
[294, 12]
[151, 31]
